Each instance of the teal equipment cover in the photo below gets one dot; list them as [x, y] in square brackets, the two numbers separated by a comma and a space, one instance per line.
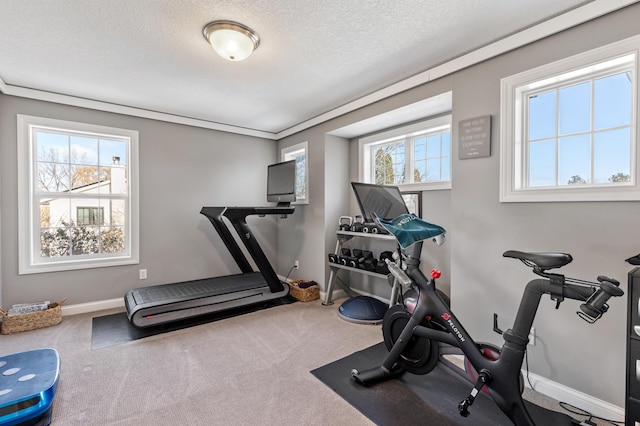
[409, 229]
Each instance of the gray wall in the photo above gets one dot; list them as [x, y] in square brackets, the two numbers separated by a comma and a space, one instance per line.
[337, 191]
[310, 233]
[600, 235]
[181, 169]
[300, 236]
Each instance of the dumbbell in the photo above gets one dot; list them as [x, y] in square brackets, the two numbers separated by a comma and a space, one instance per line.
[346, 259]
[381, 266]
[386, 255]
[370, 264]
[361, 255]
[344, 254]
[370, 228]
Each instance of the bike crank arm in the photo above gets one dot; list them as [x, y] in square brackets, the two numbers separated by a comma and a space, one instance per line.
[483, 378]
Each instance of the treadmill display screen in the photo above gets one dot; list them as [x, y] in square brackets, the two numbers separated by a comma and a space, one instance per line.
[281, 182]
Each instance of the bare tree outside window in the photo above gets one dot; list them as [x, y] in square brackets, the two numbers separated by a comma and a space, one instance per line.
[415, 156]
[389, 164]
[576, 180]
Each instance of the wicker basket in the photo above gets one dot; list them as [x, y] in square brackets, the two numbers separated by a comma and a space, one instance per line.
[303, 294]
[33, 320]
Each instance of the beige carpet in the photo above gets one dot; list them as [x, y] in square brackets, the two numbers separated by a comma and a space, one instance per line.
[247, 370]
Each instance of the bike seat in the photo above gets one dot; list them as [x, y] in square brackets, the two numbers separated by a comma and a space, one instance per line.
[547, 260]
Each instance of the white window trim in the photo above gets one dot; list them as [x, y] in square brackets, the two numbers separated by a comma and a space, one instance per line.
[27, 211]
[511, 132]
[302, 146]
[367, 143]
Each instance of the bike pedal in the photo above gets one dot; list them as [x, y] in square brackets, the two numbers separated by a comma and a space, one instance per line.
[463, 408]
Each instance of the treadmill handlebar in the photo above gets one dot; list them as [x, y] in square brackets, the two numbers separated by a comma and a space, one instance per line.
[237, 216]
[242, 212]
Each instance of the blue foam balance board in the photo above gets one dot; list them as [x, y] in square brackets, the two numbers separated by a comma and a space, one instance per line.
[28, 383]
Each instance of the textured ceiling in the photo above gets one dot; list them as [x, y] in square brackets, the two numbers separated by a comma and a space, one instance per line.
[314, 56]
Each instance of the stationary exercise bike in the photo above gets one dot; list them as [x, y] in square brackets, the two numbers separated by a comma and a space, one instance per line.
[418, 330]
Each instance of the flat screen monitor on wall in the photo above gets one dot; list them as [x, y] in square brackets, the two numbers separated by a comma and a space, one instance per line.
[281, 182]
[383, 200]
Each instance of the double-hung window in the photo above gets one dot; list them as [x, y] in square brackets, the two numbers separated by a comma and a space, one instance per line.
[415, 157]
[569, 128]
[77, 198]
[298, 152]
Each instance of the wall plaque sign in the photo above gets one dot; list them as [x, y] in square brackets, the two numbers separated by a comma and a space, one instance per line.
[474, 138]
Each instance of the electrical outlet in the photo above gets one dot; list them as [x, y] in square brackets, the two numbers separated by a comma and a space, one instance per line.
[143, 274]
[532, 336]
[296, 264]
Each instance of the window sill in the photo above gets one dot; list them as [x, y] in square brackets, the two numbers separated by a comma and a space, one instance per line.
[76, 265]
[425, 186]
[571, 195]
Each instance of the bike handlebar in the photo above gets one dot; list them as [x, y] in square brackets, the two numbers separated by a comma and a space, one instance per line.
[596, 305]
[595, 295]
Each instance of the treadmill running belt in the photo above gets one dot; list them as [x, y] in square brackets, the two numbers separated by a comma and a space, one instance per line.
[198, 288]
[149, 306]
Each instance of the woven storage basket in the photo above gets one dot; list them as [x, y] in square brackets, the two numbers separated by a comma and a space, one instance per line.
[32, 320]
[304, 294]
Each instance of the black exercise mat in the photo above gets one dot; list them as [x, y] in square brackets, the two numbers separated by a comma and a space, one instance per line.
[431, 399]
[115, 329]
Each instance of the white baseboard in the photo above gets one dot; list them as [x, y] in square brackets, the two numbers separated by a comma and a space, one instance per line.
[337, 294]
[83, 308]
[594, 406]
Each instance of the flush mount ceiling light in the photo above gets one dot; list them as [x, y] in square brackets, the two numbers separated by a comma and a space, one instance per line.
[231, 40]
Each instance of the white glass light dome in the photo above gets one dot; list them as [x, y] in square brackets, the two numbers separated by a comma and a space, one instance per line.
[231, 40]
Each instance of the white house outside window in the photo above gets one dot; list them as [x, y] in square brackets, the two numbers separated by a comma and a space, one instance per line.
[78, 195]
[569, 129]
[416, 157]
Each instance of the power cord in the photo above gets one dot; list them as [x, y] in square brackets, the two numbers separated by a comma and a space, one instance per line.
[286, 279]
[526, 363]
[580, 412]
[571, 408]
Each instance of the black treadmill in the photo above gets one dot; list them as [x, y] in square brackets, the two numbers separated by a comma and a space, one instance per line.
[154, 305]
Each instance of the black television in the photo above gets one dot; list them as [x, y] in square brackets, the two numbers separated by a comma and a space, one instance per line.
[281, 182]
[383, 200]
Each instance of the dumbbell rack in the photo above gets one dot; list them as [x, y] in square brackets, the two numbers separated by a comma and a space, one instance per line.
[343, 237]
